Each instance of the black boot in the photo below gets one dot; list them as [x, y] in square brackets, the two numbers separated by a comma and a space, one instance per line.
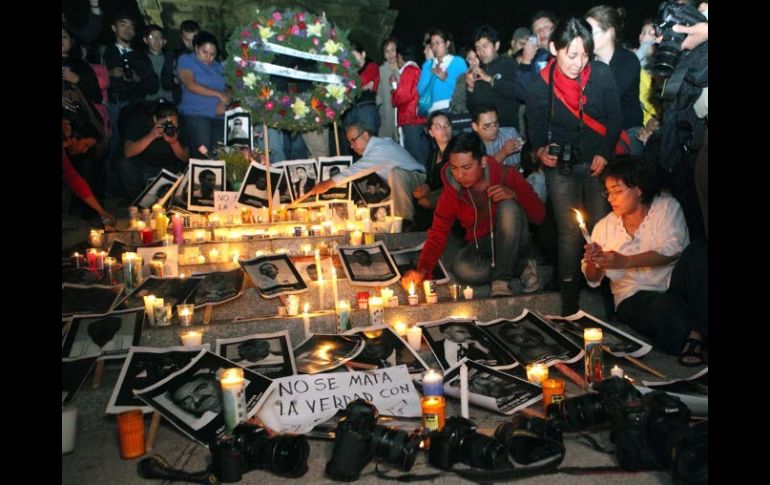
[570, 294]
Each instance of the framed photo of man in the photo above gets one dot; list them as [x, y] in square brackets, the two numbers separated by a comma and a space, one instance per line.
[381, 215]
[369, 264]
[328, 167]
[341, 211]
[268, 354]
[302, 176]
[238, 130]
[274, 275]
[253, 191]
[370, 189]
[205, 176]
[178, 199]
[156, 189]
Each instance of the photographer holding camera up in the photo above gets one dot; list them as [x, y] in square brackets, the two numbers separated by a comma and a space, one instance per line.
[152, 146]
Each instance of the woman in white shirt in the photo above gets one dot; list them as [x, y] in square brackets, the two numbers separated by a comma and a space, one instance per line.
[658, 278]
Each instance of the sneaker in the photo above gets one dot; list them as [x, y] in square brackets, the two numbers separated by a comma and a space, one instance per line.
[499, 288]
[529, 277]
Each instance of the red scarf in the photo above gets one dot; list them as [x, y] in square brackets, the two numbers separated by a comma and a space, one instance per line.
[570, 93]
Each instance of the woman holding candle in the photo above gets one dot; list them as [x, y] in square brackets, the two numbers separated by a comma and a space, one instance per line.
[658, 278]
[574, 118]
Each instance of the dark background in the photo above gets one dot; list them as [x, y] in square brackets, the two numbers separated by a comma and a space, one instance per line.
[461, 19]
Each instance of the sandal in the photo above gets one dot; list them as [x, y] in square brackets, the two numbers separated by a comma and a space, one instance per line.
[692, 355]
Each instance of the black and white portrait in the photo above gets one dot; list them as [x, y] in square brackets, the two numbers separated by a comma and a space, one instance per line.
[143, 367]
[161, 261]
[205, 177]
[274, 275]
[155, 189]
[307, 267]
[192, 398]
[371, 189]
[617, 341]
[173, 291]
[407, 259]
[73, 373]
[179, 198]
[454, 339]
[270, 355]
[329, 167]
[254, 188]
[302, 176]
[218, 287]
[88, 299]
[369, 264]
[493, 389]
[238, 128]
[322, 352]
[108, 336]
[384, 348]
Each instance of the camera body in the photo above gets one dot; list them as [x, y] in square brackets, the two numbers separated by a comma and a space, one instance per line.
[568, 155]
[668, 52]
[530, 439]
[128, 72]
[459, 441]
[250, 448]
[169, 129]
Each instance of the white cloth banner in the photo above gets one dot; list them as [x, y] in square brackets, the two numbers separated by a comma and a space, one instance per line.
[279, 49]
[268, 68]
[298, 403]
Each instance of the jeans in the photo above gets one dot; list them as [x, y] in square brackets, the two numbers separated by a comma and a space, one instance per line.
[415, 141]
[637, 147]
[317, 142]
[367, 113]
[402, 184]
[112, 177]
[668, 317]
[577, 190]
[474, 266]
[202, 130]
[275, 143]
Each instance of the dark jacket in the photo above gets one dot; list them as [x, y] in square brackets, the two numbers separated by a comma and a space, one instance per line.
[626, 68]
[501, 93]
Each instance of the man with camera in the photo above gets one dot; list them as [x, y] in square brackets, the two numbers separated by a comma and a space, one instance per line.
[149, 149]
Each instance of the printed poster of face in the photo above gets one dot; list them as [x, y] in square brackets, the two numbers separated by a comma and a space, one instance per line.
[452, 340]
[88, 299]
[369, 264]
[328, 168]
[173, 291]
[371, 189]
[407, 259]
[218, 287]
[156, 189]
[617, 341]
[107, 336]
[253, 191]
[238, 129]
[274, 275]
[492, 389]
[322, 352]
[384, 348]
[301, 175]
[270, 354]
[205, 177]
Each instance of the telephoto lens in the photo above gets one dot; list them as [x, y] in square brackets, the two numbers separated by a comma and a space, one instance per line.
[352, 442]
[227, 460]
[530, 439]
[396, 446]
[459, 442]
[285, 455]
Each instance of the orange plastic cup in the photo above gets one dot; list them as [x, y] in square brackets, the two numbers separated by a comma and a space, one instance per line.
[131, 434]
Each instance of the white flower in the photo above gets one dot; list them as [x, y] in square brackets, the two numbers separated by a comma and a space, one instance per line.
[336, 91]
[332, 47]
[300, 108]
[315, 29]
[265, 33]
[250, 80]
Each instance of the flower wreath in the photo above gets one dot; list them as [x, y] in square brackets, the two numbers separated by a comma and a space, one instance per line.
[249, 70]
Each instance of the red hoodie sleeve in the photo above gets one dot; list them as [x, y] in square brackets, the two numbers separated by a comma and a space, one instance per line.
[73, 178]
[406, 89]
[526, 196]
[435, 243]
[371, 73]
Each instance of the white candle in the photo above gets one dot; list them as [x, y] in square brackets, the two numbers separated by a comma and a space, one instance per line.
[616, 371]
[401, 329]
[214, 255]
[306, 320]
[386, 293]
[191, 338]
[343, 316]
[464, 391]
[468, 293]
[414, 336]
[335, 290]
[149, 308]
[292, 304]
[376, 313]
[306, 249]
[185, 314]
[233, 397]
[433, 383]
[412, 296]
[582, 225]
[320, 292]
[318, 268]
[355, 238]
[397, 224]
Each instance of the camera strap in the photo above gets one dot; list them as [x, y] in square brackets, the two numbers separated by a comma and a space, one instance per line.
[404, 477]
[156, 467]
[548, 466]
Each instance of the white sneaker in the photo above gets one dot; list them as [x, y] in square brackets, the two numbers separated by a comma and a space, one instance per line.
[529, 277]
[499, 288]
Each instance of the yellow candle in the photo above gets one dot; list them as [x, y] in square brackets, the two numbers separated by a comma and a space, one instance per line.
[356, 237]
[401, 328]
[537, 373]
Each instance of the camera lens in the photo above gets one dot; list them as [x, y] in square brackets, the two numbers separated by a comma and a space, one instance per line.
[395, 446]
[284, 455]
[530, 439]
[227, 460]
[666, 58]
[579, 412]
[691, 457]
[484, 452]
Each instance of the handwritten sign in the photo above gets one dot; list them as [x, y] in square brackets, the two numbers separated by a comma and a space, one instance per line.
[225, 202]
[298, 403]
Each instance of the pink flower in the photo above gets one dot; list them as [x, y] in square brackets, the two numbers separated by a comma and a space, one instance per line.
[269, 106]
[300, 16]
[286, 100]
[245, 34]
[277, 15]
[280, 37]
[352, 85]
[346, 64]
[315, 40]
[329, 113]
[294, 30]
[317, 119]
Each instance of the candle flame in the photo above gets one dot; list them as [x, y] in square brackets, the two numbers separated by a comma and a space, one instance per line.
[579, 217]
[411, 288]
[306, 307]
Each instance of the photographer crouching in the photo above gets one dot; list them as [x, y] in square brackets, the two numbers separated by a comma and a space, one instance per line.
[153, 142]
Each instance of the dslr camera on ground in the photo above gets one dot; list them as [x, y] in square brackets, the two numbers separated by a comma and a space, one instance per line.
[669, 51]
[251, 448]
[459, 441]
[649, 432]
[358, 439]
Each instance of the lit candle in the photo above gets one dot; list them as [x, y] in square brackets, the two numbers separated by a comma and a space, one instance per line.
[553, 391]
[428, 286]
[292, 304]
[185, 314]
[433, 409]
[161, 222]
[201, 259]
[191, 338]
[386, 293]
[76, 259]
[149, 308]
[162, 312]
[594, 360]
[109, 270]
[412, 296]
[214, 255]
[320, 292]
[616, 371]
[306, 320]
[200, 235]
[132, 270]
[343, 316]
[464, 391]
[335, 290]
[177, 225]
[582, 225]
[356, 237]
[306, 248]
[397, 224]
[433, 383]
[233, 397]
[401, 329]
[414, 337]
[147, 235]
[468, 293]
[537, 373]
[96, 238]
[376, 313]
[236, 256]
[454, 290]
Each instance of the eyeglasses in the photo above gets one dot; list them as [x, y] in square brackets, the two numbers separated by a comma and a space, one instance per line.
[489, 126]
[611, 193]
[352, 140]
[441, 126]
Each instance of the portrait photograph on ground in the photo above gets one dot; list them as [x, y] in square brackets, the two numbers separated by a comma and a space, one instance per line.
[160, 261]
[105, 336]
[453, 339]
[328, 167]
[144, 366]
[204, 177]
[274, 275]
[531, 340]
[492, 389]
[238, 130]
[618, 342]
[302, 176]
[381, 215]
[384, 348]
[370, 189]
[407, 259]
[325, 352]
[156, 189]
[369, 264]
[307, 267]
[253, 191]
[268, 354]
[191, 399]
[218, 287]
[88, 299]
[74, 373]
[173, 291]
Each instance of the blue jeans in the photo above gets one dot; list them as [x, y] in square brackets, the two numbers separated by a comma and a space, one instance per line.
[577, 190]
[416, 143]
[275, 142]
[473, 266]
[637, 147]
[366, 113]
[202, 130]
